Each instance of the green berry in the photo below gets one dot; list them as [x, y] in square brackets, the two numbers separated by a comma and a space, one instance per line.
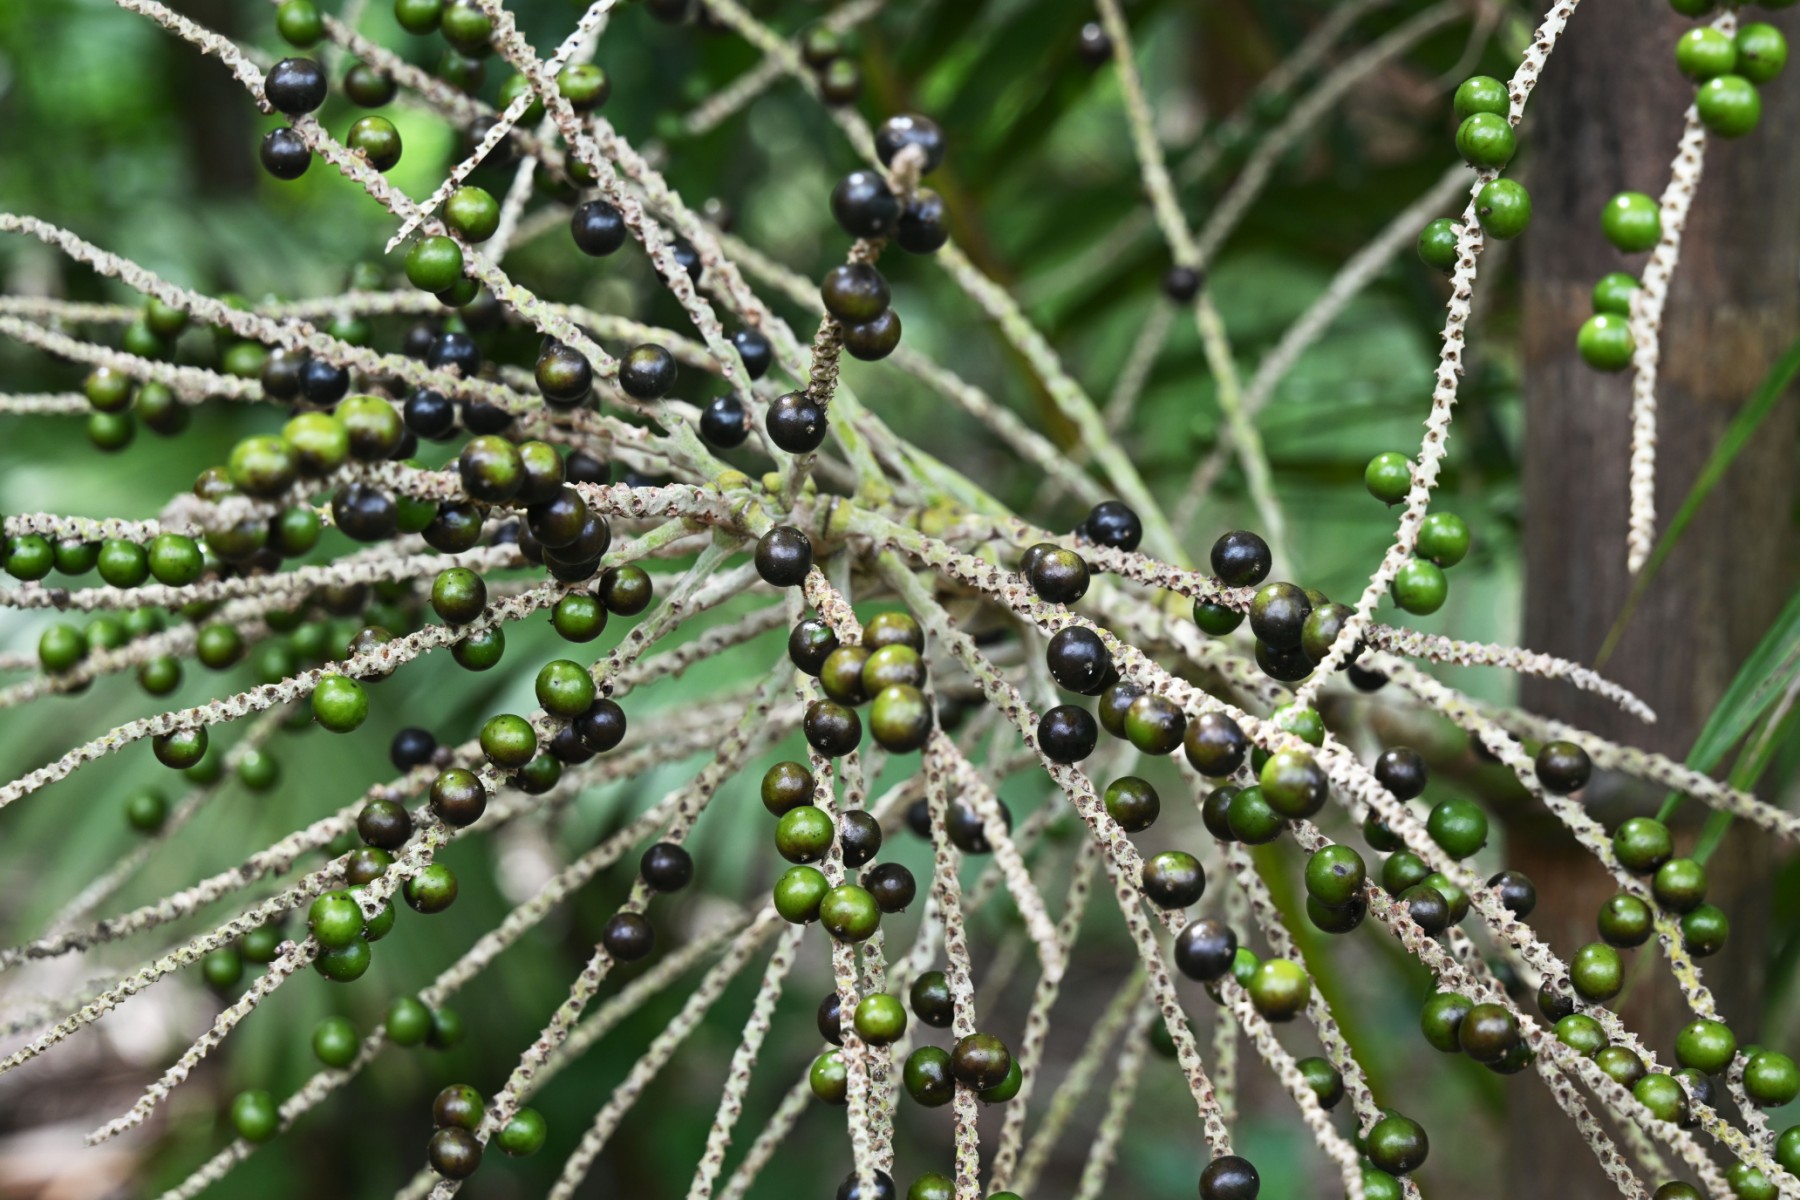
[1459, 826]
[1679, 885]
[1612, 294]
[1504, 209]
[1486, 141]
[799, 893]
[1729, 105]
[1761, 51]
[336, 920]
[335, 1043]
[1582, 1034]
[175, 559]
[408, 1021]
[523, 1135]
[1771, 1079]
[1443, 539]
[60, 648]
[378, 142]
[434, 263]
[565, 689]
[1705, 930]
[1388, 477]
[146, 810]
[473, 213]
[339, 704]
[1642, 845]
[299, 22]
[1632, 222]
[1420, 587]
[1335, 875]
[254, 1113]
[432, 890]
[578, 617]
[849, 913]
[1705, 53]
[1605, 342]
[804, 834]
[458, 595]
[508, 741]
[1441, 1020]
[1706, 1045]
[1437, 245]
[419, 16]
[1481, 94]
[1280, 989]
[1597, 972]
[123, 564]
[1626, 921]
[1251, 820]
[222, 968]
[880, 1018]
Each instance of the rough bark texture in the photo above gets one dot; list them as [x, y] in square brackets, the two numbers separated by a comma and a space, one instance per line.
[1606, 119]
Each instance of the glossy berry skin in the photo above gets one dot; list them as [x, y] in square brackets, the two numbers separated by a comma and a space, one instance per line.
[458, 797]
[804, 834]
[1706, 1045]
[628, 936]
[432, 890]
[597, 228]
[1251, 819]
[855, 292]
[1612, 293]
[1443, 539]
[377, 140]
[1398, 1144]
[724, 423]
[1704, 931]
[1563, 767]
[1241, 559]
[1486, 141]
[873, 340]
[1420, 587]
[1079, 660]
[1729, 105]
[523, 1135]
[832, 729]
[930, 1000]
[1458, 826]
[1173, 879]
[1388, 477]
[784, 556]
[384, 824]
[980, 1061]
[1402, 772]
[1625, 921]
[454, 1152]
[1154, 725]
[1056, 575]
[1067, 734]
[1326, 1082]
[864, 206]
[880, 1019]
[648, 372]
[1280, 989]
[1113, 523]
[1278, 615]
[1642, 845]
[602, 727]
[295, 86]
[1705, 53]
[798, 894]
[1488, 1033]
[1229, 1178]
[1679, 885]
[1442, 1018]
[1133, 803]
[1597, 972]
[1215, 745]
[346, 964]
[339, 704]
[848, 912]
[908, 129]
[1335, 875]
[1437, 244]
[1293, 784]
[1771, 1079]
[1632, 222]
[1504, 209]
[1480, 94]
[924, 225]
[892, 885]
[283, 154]
[1761, 51]
[796, 423]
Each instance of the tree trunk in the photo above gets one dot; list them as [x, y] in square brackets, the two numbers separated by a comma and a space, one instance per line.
[1606, 119]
